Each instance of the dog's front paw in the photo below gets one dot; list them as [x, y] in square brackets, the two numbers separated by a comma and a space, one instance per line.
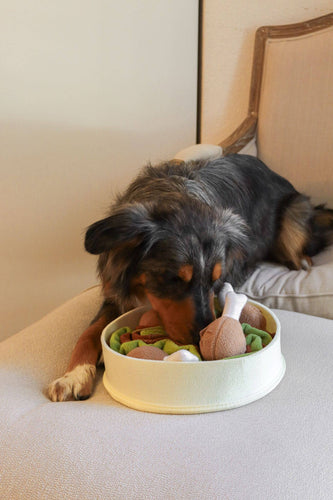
[76, 384]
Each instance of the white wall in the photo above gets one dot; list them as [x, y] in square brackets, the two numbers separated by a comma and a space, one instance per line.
[228, 35]
[90, 91]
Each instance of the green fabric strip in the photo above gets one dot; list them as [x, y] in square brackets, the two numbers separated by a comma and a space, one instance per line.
[167, 345]
[115, 337]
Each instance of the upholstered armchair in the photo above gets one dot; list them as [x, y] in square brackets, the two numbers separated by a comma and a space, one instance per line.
[279, 447]
[289, 126]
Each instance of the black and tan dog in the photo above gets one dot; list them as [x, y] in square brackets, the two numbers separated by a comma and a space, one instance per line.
[178, 233]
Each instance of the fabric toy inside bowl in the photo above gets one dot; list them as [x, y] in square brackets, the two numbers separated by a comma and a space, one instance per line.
[223, 338]
[250, 314]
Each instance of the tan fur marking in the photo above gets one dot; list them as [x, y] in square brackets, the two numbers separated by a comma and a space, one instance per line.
[139, 280]
[106, 288]
[217, 271]
[293, 236]
[291, 243]
[186, 272]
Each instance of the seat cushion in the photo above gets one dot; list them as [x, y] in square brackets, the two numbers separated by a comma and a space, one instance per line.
[277, 447]
[306, 291]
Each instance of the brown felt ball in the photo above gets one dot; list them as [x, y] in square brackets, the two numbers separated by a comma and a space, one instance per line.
[222, 338]
[147, 352]
[253, 317]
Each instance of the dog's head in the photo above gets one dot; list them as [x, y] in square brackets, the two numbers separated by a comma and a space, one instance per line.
[176, 253]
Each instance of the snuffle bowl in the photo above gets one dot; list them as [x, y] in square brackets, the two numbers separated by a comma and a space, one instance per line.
[191, 387]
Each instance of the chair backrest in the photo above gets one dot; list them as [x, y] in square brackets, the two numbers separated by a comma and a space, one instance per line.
[292, 98]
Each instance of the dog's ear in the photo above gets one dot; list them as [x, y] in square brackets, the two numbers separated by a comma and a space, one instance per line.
[129, 225]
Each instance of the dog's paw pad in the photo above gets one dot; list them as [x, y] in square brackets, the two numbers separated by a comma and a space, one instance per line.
[76, 384]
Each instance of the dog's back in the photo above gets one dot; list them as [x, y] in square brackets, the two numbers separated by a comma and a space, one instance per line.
[280, 220]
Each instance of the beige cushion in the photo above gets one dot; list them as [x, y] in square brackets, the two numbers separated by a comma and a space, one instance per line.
[199, 152]
[307, 291]
[277, 447]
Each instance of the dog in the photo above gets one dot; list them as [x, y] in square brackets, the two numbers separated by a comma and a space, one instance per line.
[177, 234]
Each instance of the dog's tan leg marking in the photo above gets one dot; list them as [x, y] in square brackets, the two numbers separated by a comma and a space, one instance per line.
[77, 382]
[291, 243]
[294, 235]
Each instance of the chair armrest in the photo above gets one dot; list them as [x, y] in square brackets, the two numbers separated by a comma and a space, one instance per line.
[199, 152]
[241, 137]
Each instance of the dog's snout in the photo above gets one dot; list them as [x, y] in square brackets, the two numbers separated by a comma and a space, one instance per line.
[205, 320]
[201, 322]
[183, 320]
[205, 314]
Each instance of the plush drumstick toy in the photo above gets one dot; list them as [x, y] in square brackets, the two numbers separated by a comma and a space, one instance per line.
[250, 314]
[224, 337]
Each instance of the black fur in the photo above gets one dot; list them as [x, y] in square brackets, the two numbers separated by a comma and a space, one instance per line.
[230, 210]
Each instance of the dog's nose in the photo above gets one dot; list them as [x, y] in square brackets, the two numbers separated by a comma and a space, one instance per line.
[201, 322]
[195, 334]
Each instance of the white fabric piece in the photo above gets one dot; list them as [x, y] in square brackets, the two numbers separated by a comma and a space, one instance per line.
[280, 446]
[199, 152]
[250, 148]
[308, 291]
[181, 356]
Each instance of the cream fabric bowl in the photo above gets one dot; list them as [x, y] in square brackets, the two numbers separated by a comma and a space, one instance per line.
[193, 387]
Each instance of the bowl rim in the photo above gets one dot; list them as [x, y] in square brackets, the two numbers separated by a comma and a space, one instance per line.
[105, 333]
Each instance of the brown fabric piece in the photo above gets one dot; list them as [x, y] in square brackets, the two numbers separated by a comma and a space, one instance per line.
[148, 339]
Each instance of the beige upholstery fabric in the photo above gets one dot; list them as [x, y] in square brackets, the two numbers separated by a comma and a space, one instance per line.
[308, 291]
[279, 447]
[295, 123]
